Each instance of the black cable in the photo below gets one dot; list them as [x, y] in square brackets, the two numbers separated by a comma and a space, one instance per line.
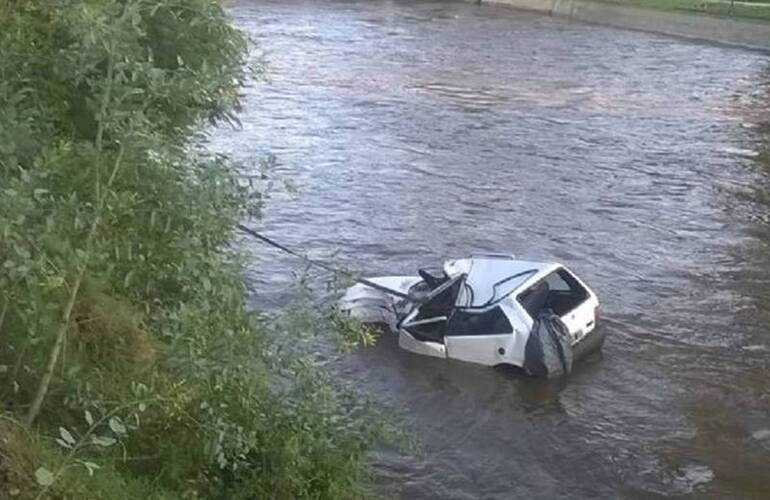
[324, 265]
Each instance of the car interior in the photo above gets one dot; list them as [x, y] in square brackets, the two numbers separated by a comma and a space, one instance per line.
[431, 319]
[559, 292]
[432, 280]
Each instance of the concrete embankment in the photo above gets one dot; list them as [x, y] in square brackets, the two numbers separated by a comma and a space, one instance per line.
[733, 31]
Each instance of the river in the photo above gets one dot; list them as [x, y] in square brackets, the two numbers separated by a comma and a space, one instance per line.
[419, 131]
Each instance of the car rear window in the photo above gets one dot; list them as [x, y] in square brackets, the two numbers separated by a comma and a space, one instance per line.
[559, 291]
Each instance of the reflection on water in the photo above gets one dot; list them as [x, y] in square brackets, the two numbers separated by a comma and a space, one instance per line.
[420, 131]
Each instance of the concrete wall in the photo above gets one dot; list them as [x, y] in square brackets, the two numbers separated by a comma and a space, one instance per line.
[741, 32]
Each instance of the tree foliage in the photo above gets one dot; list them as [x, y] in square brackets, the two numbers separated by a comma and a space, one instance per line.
[124, 343]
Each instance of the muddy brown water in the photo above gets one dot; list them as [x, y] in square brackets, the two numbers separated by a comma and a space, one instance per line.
[420, 131]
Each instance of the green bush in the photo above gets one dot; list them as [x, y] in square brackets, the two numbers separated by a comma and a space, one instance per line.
[129, 366]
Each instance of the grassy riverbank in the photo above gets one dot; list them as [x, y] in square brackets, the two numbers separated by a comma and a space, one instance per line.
[757, 9]
[129, 367]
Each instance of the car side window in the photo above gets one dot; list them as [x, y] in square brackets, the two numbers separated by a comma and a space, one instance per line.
[490, 322]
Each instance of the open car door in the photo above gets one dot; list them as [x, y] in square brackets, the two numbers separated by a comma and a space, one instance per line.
[574, 304]
[561, 292]
[428, 322]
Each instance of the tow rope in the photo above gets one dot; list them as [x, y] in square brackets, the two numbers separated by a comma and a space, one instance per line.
[323, 265]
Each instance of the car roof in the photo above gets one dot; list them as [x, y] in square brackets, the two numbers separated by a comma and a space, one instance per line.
[490, 278]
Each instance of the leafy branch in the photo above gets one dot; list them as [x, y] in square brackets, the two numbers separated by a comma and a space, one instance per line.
[46, 478]
[61, 333]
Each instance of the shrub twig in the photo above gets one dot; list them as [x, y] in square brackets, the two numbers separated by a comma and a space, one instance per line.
[61, 332]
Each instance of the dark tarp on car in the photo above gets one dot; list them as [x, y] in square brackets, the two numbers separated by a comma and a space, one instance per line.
[548, 352]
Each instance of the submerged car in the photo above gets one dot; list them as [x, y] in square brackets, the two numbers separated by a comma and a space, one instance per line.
[488, 309]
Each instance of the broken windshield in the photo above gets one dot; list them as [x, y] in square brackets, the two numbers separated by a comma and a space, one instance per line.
[491, 280]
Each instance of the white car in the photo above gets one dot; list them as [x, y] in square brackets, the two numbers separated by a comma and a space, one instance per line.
[489, 309]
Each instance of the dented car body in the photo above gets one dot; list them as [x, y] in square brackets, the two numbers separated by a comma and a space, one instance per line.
[485, 309]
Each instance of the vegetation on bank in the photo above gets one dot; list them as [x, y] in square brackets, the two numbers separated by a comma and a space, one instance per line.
[751, 9]
[129, 367]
